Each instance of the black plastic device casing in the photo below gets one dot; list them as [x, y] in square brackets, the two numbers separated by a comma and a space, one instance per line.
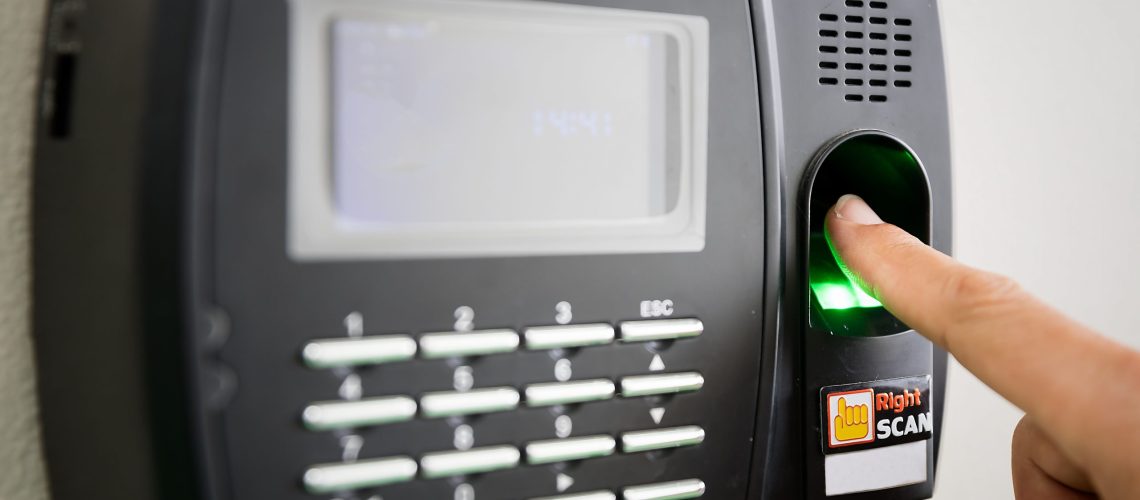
[168, 318]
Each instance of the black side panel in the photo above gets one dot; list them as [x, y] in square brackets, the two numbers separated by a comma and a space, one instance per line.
[174, 36]
[106, 285]
[828, 68]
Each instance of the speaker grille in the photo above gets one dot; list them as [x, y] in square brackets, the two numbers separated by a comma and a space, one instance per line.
[864, 51]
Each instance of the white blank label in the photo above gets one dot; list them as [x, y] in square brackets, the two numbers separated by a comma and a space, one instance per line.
[875, 469]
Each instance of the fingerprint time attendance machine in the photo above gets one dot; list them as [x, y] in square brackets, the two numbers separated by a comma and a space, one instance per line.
[482, 249]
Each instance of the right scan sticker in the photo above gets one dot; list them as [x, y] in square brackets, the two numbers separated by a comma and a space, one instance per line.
[876, 414]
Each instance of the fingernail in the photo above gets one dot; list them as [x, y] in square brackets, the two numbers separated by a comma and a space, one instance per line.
[853, 208]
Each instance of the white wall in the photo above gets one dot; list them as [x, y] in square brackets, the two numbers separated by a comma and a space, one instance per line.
[1046, 119]
[1045, 98]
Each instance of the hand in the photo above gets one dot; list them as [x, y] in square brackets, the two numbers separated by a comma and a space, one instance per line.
[1080, 391]
[851, 422]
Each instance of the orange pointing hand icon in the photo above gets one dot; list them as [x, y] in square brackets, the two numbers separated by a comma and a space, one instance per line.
[851, 422]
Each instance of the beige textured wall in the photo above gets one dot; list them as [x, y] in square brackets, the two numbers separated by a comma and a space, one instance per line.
[21, 465]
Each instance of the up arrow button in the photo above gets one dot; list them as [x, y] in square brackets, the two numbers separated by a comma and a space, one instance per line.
[657, 364]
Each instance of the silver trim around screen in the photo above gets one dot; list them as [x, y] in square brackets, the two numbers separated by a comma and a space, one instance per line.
[317, 233]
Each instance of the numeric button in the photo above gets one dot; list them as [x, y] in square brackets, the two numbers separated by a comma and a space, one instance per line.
[352, 351]
[674, 490]
[563, 450]
[329, 415]
[591, 495]
[567, 336]
[473, 461]
[451, 403]
[476, 343]
[328, 478]
[561, 393]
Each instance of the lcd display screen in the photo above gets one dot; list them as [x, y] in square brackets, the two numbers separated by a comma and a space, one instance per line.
[473, 128]
[442, 121]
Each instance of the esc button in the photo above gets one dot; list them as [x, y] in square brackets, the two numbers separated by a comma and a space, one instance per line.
[661, 329]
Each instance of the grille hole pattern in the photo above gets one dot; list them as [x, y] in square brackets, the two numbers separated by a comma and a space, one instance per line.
[866, 49]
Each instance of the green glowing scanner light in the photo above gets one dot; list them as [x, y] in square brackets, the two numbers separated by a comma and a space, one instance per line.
[842, 295]
[884, 172]
[831, 286]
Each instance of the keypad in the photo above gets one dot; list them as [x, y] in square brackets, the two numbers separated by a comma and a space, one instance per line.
[356, 412]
